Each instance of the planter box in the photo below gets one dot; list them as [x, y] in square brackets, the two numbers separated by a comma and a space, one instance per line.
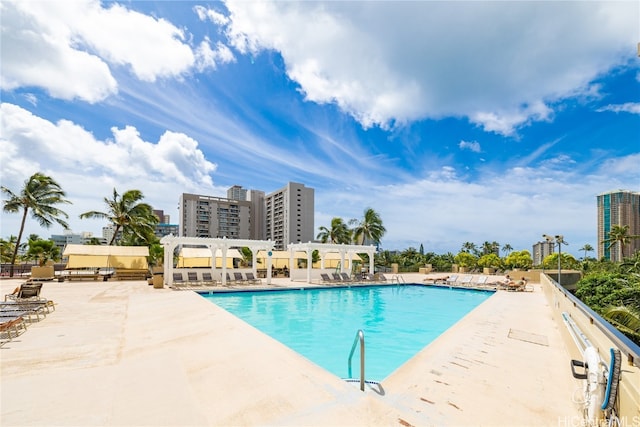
[42, 273]
[158, 281]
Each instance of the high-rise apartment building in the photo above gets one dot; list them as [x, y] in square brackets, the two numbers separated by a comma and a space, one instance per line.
[541, 250]
[237, 193]
[289, 214]
[164, 226]
[258, 219]
[214, 217]
[618, 207]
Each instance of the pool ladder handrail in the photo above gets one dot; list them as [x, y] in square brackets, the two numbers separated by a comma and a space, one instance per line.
[397, 278]
[358, 338]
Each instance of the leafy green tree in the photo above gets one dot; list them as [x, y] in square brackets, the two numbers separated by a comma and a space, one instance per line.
[247, 256]
[93, 241]
[370, 228]
[519, 259]
[135, 219]
[586, 248]
[489, 261]
[567, 261]
[626, 320]
[41, 250]
[6, 248]
[465, 259]
[410, 257]
[156, 254]
[338, 233]
[40, 195]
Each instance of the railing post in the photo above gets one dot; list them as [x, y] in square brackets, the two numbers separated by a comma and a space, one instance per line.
[358, 338]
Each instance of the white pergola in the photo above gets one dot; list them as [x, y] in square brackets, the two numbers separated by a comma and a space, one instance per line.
[170, 242]
[325, 248]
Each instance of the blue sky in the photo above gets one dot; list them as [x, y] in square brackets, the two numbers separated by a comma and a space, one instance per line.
[455, 121]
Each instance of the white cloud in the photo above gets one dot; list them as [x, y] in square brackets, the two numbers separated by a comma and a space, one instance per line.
[88, 168]
[387, 63]
[470, 145]
[209, 58]
[515, 206]
[37, 51]
[211, 15]
[67, 48]
[628, 107]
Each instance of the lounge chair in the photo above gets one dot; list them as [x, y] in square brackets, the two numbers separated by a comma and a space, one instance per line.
[26, 291]
[519, 286]
[345, 277]
[480, 281]
[208, 280]
[380, 277]
[252, 279]
[452, 279]
[178, 280]
[192, 278]
[466, 280]
[237, 277]
[11, 326]
[336, 277]
[325, 278]
[25, 313]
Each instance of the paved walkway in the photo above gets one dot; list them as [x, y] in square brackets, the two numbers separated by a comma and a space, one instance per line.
[125, 354]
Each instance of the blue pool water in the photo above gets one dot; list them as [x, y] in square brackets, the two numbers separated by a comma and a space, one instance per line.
[320, 324]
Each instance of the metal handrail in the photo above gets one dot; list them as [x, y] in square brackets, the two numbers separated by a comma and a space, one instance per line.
[397, 278]
[359, 337]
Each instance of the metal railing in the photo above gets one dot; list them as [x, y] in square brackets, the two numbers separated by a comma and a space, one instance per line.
[358, 338]
[397, 278]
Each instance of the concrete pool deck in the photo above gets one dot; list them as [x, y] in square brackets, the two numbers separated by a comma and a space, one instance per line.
[125, 354]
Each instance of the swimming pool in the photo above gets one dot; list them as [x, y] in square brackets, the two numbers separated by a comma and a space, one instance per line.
[321, 324]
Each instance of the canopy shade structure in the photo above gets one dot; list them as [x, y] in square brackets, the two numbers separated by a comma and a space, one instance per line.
[202, 257]
[281, 259]
[346, 253]
[226, 247]
[95, 256]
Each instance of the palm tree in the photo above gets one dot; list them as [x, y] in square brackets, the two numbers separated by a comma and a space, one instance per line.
[135, 220]
[507, 248]
[469, 247]
[40, 194]
[586, 248]
[370, 228]
[6, 248]
[619, 234]
[338, 233]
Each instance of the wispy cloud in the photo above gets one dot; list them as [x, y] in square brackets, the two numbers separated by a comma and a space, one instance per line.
[471, 146]
[628, 107]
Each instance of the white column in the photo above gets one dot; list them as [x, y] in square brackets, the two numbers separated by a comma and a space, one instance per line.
[371, 261]
[224, 264]
[309, 260]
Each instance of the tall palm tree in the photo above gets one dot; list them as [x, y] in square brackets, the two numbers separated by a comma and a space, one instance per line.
[127, 214]
[586, 248]
[619, 234]
[40, 194]
[507, 248]
[369, 228]
[338, 233]
[469, 247]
